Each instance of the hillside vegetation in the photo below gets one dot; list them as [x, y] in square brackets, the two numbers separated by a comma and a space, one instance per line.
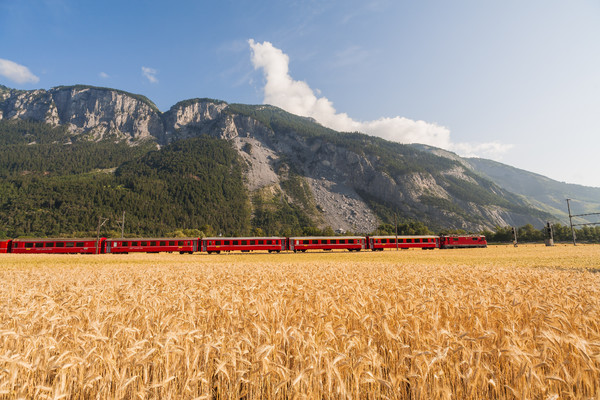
[49, 188]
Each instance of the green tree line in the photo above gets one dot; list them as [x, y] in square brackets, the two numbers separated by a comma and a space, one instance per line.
[529, 234]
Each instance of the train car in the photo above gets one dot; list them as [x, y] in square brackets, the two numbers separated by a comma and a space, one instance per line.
[378, 243]
[58, 246]
[244, 244]
[462, 241]
[5, 245]
[141, 245]
[350, 243]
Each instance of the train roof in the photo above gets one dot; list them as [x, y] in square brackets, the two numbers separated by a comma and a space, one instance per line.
[402, 236]
[464, 235]
[57, 239]
[243, 238]
[325, 237]
[151, 239]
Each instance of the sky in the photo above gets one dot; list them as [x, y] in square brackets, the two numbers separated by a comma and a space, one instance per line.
[514, 81]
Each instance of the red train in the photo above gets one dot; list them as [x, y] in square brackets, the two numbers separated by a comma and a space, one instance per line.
[244, 244]
[170, 245]
[54, 246]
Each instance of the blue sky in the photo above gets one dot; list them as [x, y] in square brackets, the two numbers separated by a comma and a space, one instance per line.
[515, 81]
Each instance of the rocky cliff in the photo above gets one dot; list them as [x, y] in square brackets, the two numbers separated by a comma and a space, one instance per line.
[94, 112]
[355, 181]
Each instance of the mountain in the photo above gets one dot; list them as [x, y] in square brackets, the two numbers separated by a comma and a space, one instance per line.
[544, 193]
[296, 175]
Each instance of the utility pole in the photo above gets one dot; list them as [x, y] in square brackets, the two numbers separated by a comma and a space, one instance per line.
[101, 222]
[577, 216]
[571, 221]
[549, 235]
[514, 232]
[122, 223]
[396, 225]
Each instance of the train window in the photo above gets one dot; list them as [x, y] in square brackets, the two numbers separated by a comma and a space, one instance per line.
[49, 244]
[217, 242]
[143, 243]
[39, 244]
[342, 241]
[384, 241]
[253, 242]
[134, 243]
[28, 245]
[408, 240]
[162, 243]
[235, 242]
[261, 242]
[80, 244]
[306, 241]
[315, 242]
[152, 243]
[244, 242]
[69, 244]
[60, 244]
[475, 239]
[180, 243]
[171, 243]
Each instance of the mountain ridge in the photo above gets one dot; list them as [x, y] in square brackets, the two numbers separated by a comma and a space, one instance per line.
[348, 181]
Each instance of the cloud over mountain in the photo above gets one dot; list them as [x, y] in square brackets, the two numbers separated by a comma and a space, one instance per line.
[150, 74]
[299, 98]
[16, 72]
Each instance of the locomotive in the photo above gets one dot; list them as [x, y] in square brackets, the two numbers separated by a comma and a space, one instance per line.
[217, 245]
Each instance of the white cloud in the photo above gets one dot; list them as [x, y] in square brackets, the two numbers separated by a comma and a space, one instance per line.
[150, 74]
[493, 150]
[16, 72]
[103, 75]
[299, 98]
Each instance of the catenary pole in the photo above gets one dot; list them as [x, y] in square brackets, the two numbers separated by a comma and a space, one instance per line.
[571, 221]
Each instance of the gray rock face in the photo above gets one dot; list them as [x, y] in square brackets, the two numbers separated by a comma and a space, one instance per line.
[94, 112]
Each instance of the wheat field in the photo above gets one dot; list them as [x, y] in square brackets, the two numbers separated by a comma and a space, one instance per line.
[500, 322]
